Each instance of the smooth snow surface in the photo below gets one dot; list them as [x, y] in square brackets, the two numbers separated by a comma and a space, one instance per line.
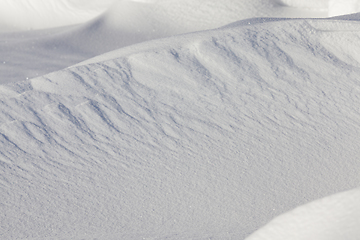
[207, 135]
[40, 14]
[336, 217]
[342, 7]
[18, 15]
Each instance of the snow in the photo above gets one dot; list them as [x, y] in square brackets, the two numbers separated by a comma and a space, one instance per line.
[16, 15]
[195, 126]
[334, 217]
[29, 54]
[343, 7]
[307, 4]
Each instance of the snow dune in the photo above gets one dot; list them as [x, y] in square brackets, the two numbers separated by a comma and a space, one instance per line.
[334, 217]
[203, 135]
[41, 14]
[28, 54]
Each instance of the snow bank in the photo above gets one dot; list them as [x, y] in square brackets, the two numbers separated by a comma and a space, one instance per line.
[40, 14]
[205, 14]
[203, 135]
[30, 54]
[336, 217]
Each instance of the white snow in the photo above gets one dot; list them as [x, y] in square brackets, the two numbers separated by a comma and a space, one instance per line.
[342, 7]
[18, 15]
[307, 4]
[29, 54]
[178, 135]
[334, 217]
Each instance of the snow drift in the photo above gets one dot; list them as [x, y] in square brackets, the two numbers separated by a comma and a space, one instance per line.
[204, 135]
[40, 14]
[334, 217]
[30, 54]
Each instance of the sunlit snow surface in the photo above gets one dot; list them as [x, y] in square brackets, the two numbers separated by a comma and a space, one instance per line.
[336, 217]
[28, 54]
[206, 135]
[203, 135]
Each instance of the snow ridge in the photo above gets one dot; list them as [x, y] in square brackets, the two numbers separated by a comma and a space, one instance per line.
[242, 124]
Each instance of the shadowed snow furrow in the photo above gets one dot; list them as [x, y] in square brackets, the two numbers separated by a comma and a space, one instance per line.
[209, 138]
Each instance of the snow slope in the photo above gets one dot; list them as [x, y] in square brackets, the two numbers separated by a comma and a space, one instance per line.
[334, 217]
[17, 15]
[40, 14]
[343, 7]
[198, 136]
[27, 54]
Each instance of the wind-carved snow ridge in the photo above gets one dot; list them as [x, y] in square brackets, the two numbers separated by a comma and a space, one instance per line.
[29, 54]
[206, 135]
[334, 217]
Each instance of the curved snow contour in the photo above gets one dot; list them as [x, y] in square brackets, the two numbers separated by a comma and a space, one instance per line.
[202, 134]
[336, 217]
[306, 4]
[342, 7]
[30, 54]
[194, 15]
[40, 14]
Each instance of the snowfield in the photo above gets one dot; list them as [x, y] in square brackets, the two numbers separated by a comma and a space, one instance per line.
[200, 124]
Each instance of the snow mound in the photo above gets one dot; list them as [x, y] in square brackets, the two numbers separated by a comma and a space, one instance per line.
[343, 7]
[30, 54]
[195, 15]
[190, 14]
[40, 14]
[336, 217]
[203, 135]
